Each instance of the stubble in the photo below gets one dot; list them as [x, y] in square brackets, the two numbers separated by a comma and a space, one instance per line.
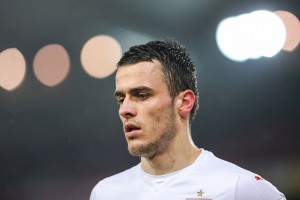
[161, 144]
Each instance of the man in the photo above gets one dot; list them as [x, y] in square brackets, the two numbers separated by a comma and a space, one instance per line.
[156, 89]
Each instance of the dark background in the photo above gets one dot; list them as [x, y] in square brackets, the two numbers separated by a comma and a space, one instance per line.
[57, 143]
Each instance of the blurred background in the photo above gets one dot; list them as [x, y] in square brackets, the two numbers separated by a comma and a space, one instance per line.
[59, 127]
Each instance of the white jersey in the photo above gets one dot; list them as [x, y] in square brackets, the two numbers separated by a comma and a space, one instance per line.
[208, 178]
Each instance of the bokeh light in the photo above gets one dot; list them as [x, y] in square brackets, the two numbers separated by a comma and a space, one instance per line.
[251, 36]
[12, 69]
[51, 64]
[100, 55]
[292, 26]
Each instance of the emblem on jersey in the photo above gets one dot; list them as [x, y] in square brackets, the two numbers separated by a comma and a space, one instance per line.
[200, 193]
[199, 196]
[258, 178]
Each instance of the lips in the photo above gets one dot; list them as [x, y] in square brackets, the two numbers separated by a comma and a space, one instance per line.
[131, 129]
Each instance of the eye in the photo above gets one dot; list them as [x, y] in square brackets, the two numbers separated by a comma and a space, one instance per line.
[120, 100]
[142, 96]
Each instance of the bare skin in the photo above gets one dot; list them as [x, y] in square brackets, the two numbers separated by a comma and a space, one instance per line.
[156, 128]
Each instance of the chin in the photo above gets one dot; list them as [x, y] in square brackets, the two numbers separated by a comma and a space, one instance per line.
[137, 149]
[144, 149]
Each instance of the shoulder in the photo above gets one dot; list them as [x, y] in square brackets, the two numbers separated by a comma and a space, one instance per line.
[248, 185]
[255, 187]
[115, 182]
[216, 164]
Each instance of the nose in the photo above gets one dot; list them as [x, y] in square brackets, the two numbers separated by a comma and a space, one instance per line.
[127, 109]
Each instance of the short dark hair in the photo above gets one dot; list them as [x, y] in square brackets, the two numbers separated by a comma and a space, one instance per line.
[177, 67]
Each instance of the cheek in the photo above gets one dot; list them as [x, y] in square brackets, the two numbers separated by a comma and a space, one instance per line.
[153, 121]
[159, 115]
[160, 118]
[152, 113]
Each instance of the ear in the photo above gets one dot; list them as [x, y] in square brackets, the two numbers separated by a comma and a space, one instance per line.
[185, 103]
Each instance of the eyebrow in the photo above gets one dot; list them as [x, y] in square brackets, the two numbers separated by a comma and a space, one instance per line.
[134, 91]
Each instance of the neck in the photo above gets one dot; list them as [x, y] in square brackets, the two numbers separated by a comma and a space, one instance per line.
[181, 153]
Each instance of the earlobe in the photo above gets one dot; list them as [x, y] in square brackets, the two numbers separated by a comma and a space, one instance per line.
[186, 103]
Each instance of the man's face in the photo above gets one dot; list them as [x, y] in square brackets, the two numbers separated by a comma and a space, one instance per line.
[146, 108]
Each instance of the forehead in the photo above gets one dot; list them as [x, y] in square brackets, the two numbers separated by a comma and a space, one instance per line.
[147, 74]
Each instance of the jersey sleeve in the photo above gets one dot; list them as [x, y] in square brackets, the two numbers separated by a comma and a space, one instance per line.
[256, 188]
[96, 192]
[92, 196]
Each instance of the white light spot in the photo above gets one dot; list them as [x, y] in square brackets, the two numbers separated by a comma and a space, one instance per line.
[51, 64]
[100, 55]
[12, 69]
[250, 36]
[292, 26]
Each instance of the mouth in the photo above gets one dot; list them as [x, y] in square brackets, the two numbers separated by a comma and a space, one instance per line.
[131, 130]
